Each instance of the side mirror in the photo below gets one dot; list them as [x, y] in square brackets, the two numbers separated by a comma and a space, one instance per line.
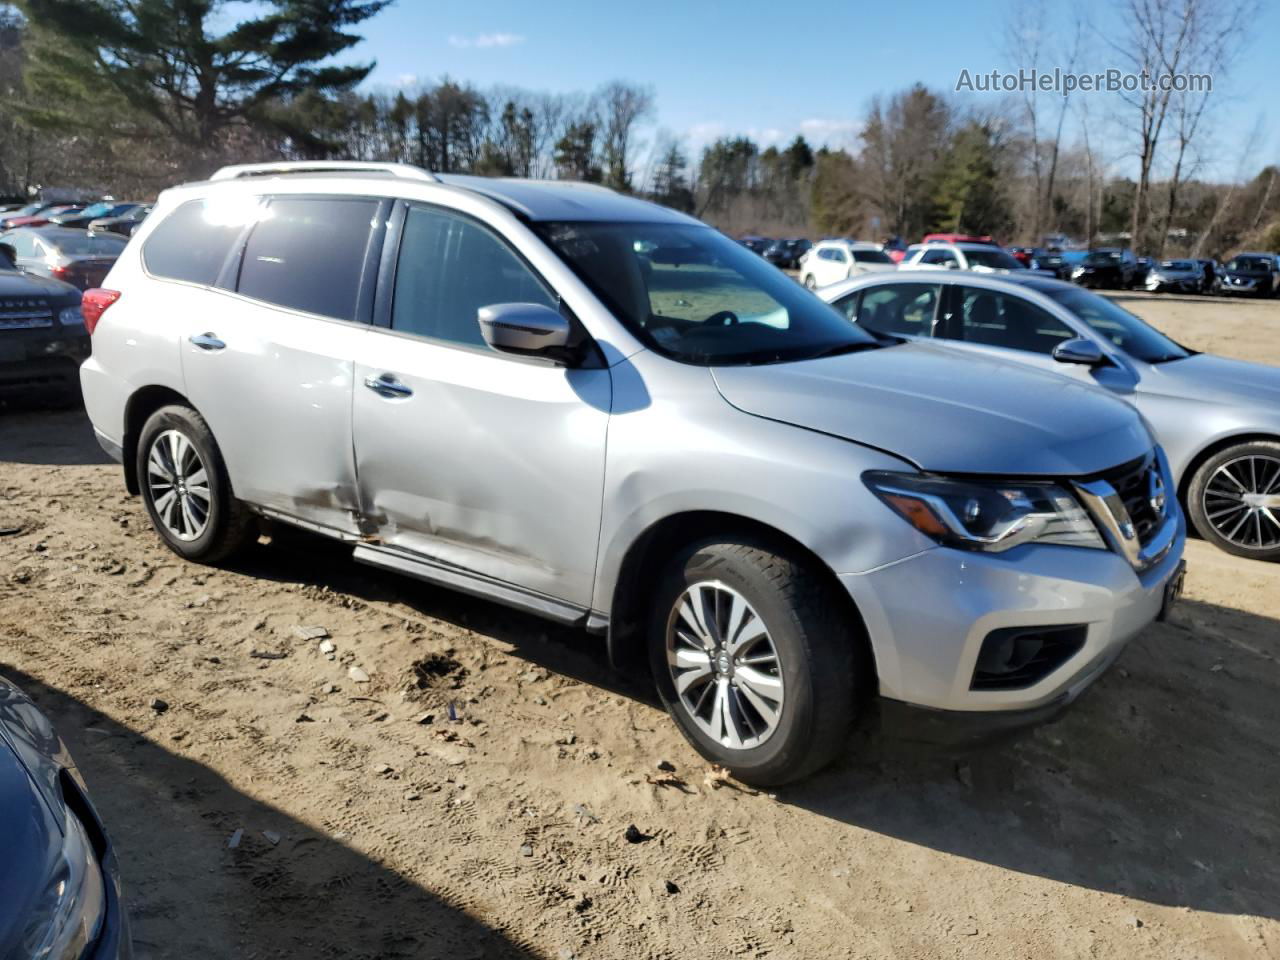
[1079, 351]
[525, 329]
[9, 252]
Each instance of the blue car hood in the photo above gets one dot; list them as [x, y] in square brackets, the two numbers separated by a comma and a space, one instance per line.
[919, 402]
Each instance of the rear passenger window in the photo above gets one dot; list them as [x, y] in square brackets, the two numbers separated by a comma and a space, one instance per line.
[900, 308]
[194, 241]
[309, 255]
[450, 267]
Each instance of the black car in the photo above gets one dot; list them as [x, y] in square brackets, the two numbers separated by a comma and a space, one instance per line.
[125, 224]
[1142, 270]
[757, 245]
[43, 339]
[1250, 274]
[787, 253]
[60, 894]
[1050, 261]
[1107, 267]
[81, 219]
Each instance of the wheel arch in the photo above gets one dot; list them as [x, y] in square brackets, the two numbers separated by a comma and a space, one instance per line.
[652, 549]
[142, 404]
[1212, 449]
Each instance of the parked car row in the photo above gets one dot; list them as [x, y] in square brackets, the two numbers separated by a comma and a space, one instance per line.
[106, 216]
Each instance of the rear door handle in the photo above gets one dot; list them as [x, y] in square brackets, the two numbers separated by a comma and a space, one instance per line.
[207, 341]
[388, 386]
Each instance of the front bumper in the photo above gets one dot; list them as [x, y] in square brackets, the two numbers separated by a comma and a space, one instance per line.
[928, 615]
[35, 361]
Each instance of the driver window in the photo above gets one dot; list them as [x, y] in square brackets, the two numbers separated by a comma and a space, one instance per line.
[838, 255]
[999, 320]
[900, 308]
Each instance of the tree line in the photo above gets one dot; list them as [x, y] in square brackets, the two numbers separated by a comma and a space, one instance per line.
[128, 97]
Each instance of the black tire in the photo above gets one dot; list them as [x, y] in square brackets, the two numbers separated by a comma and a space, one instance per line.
[1199, 510]
[229, 525]
[821, 657]
[809, 283]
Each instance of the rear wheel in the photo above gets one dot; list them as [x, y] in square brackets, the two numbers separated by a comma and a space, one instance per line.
[809, 283]
[186, 490]
[755, 660]
[1234, 500]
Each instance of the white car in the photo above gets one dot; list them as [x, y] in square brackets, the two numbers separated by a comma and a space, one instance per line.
[831, 261]
[978, 257]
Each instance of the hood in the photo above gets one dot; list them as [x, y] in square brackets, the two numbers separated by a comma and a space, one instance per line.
[1251, 274]
[16, 284]
[946, 413]
[1218, 379]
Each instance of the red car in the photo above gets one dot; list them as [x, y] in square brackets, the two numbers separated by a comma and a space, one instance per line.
[38, 219]
[956, 238]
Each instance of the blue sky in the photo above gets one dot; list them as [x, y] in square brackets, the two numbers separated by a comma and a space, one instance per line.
[770, 69]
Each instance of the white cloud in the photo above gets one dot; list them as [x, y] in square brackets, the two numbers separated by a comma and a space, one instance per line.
[836, 133]
[407, 80]
[486, 40]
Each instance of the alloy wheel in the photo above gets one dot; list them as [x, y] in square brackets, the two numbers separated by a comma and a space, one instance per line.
[724, 666]
[1242, 501]
[178, 482]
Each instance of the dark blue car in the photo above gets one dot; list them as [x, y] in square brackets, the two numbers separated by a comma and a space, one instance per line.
[59, 883]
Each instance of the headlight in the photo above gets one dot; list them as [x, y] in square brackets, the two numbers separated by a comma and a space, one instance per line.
[68, 915]
[989, 516]
[1078, 271]
[71, 317]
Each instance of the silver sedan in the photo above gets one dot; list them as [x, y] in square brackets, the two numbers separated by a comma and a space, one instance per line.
[1218, 419]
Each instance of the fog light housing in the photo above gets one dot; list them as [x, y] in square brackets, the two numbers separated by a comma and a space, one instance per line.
[1014, 658]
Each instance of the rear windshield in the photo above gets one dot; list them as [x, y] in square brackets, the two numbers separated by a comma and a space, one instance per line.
[1179, 265]
[871, 256]
[993, 258]
[86, 244]
[1102, 258]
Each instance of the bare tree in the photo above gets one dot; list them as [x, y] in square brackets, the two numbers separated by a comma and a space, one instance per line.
[623, 106]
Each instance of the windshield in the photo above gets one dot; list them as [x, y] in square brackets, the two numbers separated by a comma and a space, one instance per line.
[1249, 264]
[995, 259]
[79, 244]
[1130, 333]
[1102, 259]
[694, 295]
[871, 256]
[97, 209]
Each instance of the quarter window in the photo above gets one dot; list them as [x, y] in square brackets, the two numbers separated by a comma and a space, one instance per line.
[194, 241]
[449, 267]
[999, 320]
[308, 254]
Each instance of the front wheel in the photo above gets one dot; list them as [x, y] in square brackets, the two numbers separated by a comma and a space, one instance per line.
[1234, 500]
[186, 489]
[755, 659]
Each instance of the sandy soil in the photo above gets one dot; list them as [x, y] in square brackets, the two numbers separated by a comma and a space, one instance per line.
[1143, 824]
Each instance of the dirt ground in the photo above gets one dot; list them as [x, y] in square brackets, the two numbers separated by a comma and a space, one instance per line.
[1143, 824]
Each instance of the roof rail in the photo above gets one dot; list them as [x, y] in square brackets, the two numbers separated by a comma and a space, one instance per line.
[281, 167]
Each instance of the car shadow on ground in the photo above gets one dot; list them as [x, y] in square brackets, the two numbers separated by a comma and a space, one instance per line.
[287, 889]
[35, 434]
[1159, 784]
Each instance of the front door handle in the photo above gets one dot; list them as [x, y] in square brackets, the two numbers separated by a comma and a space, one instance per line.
[388, 386]
[207, 341]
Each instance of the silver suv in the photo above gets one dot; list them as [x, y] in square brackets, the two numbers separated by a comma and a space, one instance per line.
[584, 405]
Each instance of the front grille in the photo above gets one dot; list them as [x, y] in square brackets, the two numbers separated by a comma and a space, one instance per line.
[1137, 484]
[20, 313]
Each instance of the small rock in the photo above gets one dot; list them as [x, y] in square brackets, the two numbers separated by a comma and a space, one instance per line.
[585, 814]
[426, 718]
[1216, 668]
[564, 953]
[672, 887]
[413, 795]
[666, 766]
[10, 531]
[382, 769]
[526, 850]
[633, 835]
[235, 839]
[158, 705]
[327, 646]
[1124, 674]
[309, 633]
[268, 654]
[969, 929]
[272, 837]
[201, 601]
[329, 688]
[304, 718]
[358, 675]
[540, 701]
[964, 773]
[1135, 922]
